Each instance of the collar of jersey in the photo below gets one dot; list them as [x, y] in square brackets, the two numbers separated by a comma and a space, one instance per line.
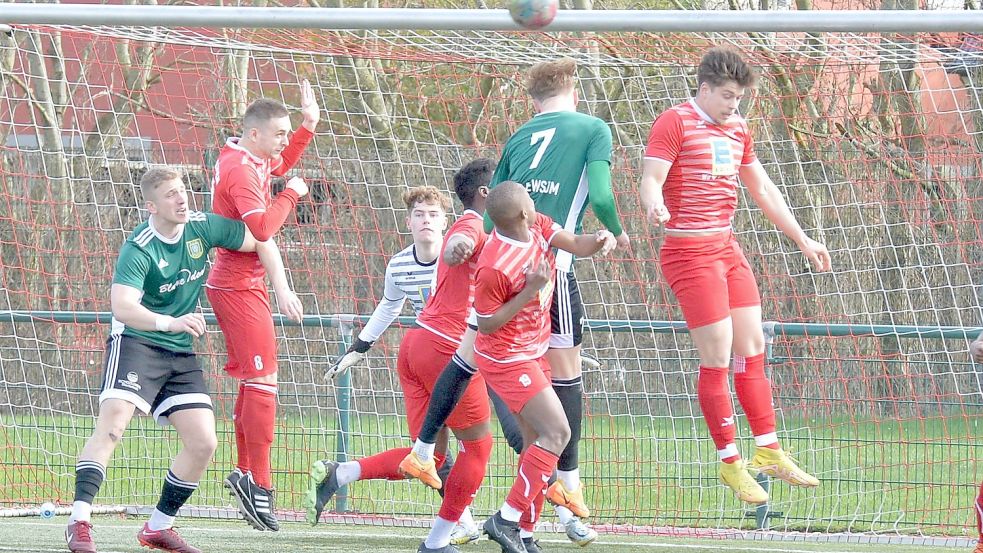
[234, 144]
[161, 237]
[466, 211]
[512, 241]
[709, 120]
[420, 263]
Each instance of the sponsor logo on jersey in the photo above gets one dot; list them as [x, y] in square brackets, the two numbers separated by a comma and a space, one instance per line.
[195, 248]
[191, 277]
[542, 186]
[723, 158]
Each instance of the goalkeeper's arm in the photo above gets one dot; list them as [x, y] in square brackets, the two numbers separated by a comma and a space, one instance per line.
[383, 316]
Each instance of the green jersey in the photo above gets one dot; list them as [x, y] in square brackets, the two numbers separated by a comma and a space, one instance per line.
[549, 155]
[171, 272]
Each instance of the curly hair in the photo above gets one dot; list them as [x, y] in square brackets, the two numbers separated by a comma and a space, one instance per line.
[426, 194]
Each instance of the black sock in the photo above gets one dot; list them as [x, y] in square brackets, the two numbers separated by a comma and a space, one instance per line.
[447, 391]
[88, 479]
[571, 394]
[174, 494]
[510, 426]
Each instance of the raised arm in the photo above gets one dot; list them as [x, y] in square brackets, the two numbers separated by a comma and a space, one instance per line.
[263, 222]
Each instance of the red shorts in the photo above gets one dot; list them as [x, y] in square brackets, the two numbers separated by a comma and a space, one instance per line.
[422, 357]
[709, 276]
[246, 320]
[516, 383]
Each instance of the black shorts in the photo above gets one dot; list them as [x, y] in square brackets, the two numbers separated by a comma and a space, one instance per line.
[566, 313]
[154, 379]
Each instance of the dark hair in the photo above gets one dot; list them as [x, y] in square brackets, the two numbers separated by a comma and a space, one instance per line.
[720, 65]
[261, 111]
[471, 177]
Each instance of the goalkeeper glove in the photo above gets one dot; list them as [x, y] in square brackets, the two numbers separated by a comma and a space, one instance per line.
[352, 357]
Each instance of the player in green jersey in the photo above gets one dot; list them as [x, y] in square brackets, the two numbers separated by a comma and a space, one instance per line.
[563, 157]
[150, 364]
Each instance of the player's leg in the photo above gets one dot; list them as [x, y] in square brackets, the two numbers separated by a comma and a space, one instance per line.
[470, 424]
[566, 321]
[447, 391]
[246, 319]
[527, 390]
[696, 270]
[195, 426]
[750, 382]
[221, 302]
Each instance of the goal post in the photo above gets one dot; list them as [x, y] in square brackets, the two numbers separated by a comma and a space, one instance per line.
[871, 127]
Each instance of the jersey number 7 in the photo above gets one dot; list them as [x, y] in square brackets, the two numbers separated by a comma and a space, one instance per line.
[545, 136]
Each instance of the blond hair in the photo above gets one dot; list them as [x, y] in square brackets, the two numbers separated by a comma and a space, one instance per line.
[155, 177]
[551, 78]
[427, 195]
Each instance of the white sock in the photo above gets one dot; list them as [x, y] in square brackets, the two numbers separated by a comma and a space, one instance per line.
[510, 513]
[424, 451]
[160, 521]
[565, 515]
[525, 534]
[467, 519]
[570, 479]
[440, 534]
[80, 511]
[348, 472]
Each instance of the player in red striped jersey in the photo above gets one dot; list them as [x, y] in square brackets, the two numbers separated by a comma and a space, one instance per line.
[237, 290]
[696, 153]
[513, 292]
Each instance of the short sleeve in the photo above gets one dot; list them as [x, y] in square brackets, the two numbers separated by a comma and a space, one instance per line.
[547, 227]
[491, 291]
[224, 232]
[666, 137]
[599, 145]
[750, 156]
[473, 231]
[132, 266]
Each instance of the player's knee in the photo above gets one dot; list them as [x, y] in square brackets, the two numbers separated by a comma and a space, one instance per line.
[555, 437]
[203, 447]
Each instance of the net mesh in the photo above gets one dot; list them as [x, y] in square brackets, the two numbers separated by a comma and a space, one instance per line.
[873, 139]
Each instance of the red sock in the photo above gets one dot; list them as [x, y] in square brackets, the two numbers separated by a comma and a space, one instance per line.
[714, 396]
[754, 392]
[465, 478]
[383, 465]
[979, 512]
[531, 515]
[534, 471]
[258, 418]
[242, 454]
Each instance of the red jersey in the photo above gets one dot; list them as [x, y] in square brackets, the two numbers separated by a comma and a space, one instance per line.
[241, 191]
[447, 308]
[700, 191]
[501, 275]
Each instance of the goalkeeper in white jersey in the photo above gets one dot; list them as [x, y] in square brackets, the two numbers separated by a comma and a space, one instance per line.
[410, 275]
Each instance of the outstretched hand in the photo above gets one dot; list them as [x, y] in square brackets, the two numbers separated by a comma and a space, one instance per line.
[817, 254]
[308, 105]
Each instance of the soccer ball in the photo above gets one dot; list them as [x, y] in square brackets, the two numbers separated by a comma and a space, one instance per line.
[47, 510]
[533, 14]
